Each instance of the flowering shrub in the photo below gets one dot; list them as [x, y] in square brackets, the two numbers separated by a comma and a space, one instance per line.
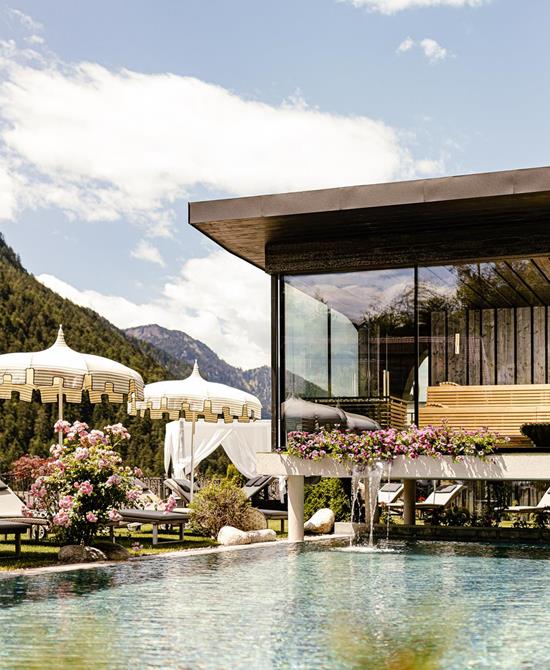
[29, 467]
[367, 448]
[86, 484]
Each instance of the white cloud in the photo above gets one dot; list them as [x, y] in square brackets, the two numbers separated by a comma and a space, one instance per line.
[431, 49]
[406, 45]
[145, 251]
[104, 145]
[26, 21]
[394, 6]
[218, 299]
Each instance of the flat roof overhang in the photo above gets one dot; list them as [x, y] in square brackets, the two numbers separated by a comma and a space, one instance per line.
[449, 219]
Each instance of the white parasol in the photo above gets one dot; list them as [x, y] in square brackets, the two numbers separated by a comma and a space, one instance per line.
[60, 373]
[194, 398]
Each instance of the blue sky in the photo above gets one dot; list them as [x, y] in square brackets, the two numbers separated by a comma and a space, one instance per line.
[114, 114]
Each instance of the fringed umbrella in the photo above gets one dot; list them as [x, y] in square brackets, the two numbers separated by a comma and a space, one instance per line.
[61, 373]
[194, 398]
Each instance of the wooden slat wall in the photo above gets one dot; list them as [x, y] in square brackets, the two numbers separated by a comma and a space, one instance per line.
[474, 348]
[524, 350]
[498, 346]
[505, 337]
[539, 345]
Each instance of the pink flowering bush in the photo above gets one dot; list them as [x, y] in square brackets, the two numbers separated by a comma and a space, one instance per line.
[367, 448]
[83, 488]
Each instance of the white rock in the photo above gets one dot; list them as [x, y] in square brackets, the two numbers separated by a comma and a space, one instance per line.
[264, 535]
[321, 522]
[229, 535]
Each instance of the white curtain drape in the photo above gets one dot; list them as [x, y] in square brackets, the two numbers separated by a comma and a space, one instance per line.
[241, 442]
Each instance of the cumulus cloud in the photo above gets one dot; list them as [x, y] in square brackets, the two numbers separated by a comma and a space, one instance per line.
[26, 21]
[103, 145]
[394, 6]
[431, 49]
[230, 314]
[145, 251]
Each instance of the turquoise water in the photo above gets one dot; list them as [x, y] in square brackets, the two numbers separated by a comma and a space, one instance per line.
[286, 606]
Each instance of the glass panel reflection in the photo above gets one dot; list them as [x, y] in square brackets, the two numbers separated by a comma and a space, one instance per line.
[349, 343]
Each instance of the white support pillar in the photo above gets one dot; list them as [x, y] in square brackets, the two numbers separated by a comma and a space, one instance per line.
[295, 486]
[409, 502]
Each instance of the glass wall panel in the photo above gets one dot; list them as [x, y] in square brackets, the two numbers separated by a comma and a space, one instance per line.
[484, 344]
[349, 343]
[476, 336]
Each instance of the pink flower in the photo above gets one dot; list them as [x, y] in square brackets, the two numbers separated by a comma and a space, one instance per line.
[170, 504]
[138, 472]
[114, 480]
[91, 517]
[84, 487]
[62, 519]
[56, 450]
[119, 431]
[81, 453]
[66, 502]
[136, 546]
[25, 511]
[61, 426]
[133, 495]
[114, 515]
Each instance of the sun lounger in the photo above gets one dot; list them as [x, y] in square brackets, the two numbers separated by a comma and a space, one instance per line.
[441, 497]
[253, 486]
[542, 506]
[181, 488]
[11, 509]
[390, 493]
[156, 519]
[13, 528]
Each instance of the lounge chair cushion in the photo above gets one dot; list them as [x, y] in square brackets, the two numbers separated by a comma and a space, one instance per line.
[447, 489]
[13, 527]
[153, 515]
[185, 485]
[391, 487]
[259, 481]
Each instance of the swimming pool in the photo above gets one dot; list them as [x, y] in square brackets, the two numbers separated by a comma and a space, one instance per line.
[285, 606]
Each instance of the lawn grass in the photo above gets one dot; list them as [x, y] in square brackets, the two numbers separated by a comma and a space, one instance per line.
[40, 554]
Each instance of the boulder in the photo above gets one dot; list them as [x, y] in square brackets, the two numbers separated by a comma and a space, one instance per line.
[255, 520]
[321, 522]
[263, 535]
[113, 551]
[229, 535]
[78, 553]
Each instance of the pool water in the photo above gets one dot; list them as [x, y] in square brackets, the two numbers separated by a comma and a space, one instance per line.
[288, 606]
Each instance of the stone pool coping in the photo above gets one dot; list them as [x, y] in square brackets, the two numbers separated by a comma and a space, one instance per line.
[48, 569]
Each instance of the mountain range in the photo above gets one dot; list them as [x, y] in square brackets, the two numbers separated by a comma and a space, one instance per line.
[182, 349]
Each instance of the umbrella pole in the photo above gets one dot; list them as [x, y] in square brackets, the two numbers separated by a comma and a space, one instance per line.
[60, 412]
[192, 459]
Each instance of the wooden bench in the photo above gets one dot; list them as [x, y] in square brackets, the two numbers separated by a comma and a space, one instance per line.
[502, 408]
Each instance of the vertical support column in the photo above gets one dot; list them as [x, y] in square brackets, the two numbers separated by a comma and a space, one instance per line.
[295, 486]
[409, 500]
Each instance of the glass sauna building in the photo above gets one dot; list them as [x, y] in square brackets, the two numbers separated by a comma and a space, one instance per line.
[415, 302]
